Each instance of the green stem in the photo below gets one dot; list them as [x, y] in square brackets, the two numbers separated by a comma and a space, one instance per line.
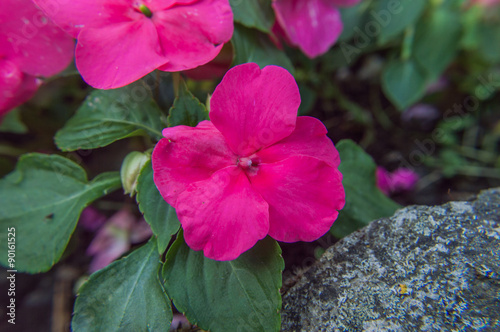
[176, 79]
[406, 48]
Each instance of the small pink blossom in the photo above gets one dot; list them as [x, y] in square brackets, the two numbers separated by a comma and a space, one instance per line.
[30, 47]
[312, 25]
[115, 237]
[120, 41]
[401, 180]
[254, 169]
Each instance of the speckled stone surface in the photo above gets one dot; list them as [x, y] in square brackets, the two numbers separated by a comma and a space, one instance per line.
[424, 269]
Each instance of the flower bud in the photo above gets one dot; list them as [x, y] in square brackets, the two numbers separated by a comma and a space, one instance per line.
[131, 167]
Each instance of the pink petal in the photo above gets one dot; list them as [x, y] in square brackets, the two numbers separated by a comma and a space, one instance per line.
[112, 251]
[404, 179]
[188, 155]
[223, 215]
[15, 87]
[73, 16]
[304, 195]
[141, 231]
[255, 108]
[111, 241]
[118, 54]
[30, 40]
[215, 68]
[312, 25]
[308, 139]
[192, 35]
[384, 180]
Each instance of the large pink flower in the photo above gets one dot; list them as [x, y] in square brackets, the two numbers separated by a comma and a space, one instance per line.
[120, 41]
[312, 25]
[30, 46]
[254, 169]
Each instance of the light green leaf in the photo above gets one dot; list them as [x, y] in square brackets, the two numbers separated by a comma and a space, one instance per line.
[110, 115]
[238, 295]
[11, 123]
[364, 201]
[43, 198]
[158, 213]
[404, 82]
[251, 45]
[187, 109]
[392, 17]
[432, 48]
[253, 14]
[125, 296]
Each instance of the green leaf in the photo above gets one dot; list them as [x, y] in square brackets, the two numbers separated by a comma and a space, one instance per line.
[251, 45]
[489, 41]
[364, 201]
[110, 115]
[43, 198]
[404, 82]
[125, 296]
[392, 17]
[11, 123]
[238, 295]
[187, 109]
[253, 14]
[433, 49]
[158, 213]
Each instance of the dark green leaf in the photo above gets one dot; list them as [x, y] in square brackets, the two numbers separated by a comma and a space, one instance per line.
[11, 123]
[110, 115]
[43, 198]
[364, 201]
[353, 18]
[433, 49]
[187, 109]
[251, 45]
[391, 17]
[158, 213]
[404, 82]
[253, 14]
[238, 295]
[125, 296]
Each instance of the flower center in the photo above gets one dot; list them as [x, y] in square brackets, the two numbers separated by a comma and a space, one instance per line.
[145, 10]
[248, 163]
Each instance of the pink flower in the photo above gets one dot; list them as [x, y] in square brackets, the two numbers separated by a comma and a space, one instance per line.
[313, 25]
[120, 41]
[30, 46]
[400, 180]
[254, 169]
[485, 3]
[115, 238]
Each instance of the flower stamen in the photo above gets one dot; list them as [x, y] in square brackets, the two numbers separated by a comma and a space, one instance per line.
[146, 11]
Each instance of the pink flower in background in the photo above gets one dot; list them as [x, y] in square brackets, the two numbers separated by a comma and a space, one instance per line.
[120, 41]
[30, 47]
[115, 237]
[400, 180]
[312, 25]
[91, 219]
[254, 169]
[486, 3]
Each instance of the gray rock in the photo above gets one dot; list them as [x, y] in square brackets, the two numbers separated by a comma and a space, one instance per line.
[424, 269]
